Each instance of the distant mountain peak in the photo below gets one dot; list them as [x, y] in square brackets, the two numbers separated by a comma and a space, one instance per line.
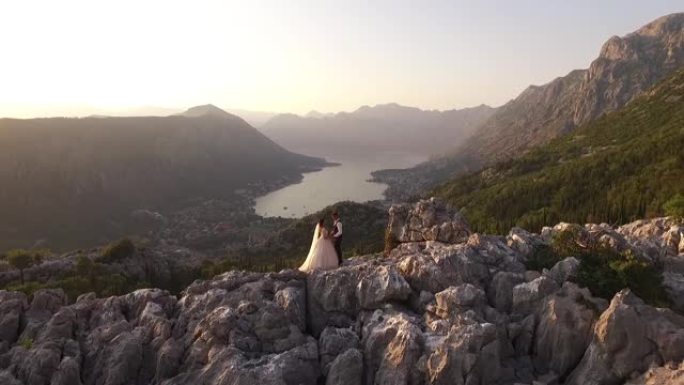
[205, 110]
[315, 114]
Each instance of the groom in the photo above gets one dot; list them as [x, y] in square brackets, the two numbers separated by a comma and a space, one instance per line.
[337, 236]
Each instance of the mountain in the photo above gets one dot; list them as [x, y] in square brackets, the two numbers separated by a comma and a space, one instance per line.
[387, 127]
[75, 181]
[208, 110]
[470, 309]
[625, 165]
[625, 68]
[254, 118]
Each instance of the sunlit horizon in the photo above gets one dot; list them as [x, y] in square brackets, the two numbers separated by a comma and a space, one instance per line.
[80, 58]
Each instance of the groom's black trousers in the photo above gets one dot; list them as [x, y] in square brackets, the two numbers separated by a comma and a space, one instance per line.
[338, 249]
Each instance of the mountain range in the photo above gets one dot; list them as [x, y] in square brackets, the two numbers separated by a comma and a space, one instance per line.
[75, 181]
[385, 127]
[625, 68]
[623, 166]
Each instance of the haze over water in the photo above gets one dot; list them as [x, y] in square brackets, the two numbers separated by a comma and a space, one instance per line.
[346, 182]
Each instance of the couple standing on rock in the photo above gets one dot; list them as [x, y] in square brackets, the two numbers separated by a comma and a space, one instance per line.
[326, 247]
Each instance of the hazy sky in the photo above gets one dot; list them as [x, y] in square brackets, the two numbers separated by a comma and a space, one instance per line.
[59, 57]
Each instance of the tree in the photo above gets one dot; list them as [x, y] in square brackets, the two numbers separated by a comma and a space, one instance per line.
[118, 251]
[20, 259]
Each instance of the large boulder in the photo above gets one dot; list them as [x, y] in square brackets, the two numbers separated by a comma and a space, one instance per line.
[565, 327]
[293, 300]
[664, 375]
[392, 344]
[347, 369]
[628, 338]
[656, 237]
[564, 270]
[382, 285]
[12, 307]
[523, 241]
[467, 355]
[457, 299]
[427, 220]
[500, 290]
[332, 298]
[433, 267]
[528, 295]
[333, 342]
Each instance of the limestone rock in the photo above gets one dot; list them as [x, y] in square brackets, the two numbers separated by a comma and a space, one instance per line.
[12, 306]
[523, 241]
[427, 220]
[347, 369]
[528, 295]
[332, 298]
[628, 338]
[500, 290]
[564, 270]
[468, 355]
[433, 267]
[456, 299]
[565, 328]
[333, 342]
[391, 347]
[672, 374]
[383, 284]
[293, 301]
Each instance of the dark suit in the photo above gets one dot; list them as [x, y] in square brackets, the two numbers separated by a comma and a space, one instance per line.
[338, 242]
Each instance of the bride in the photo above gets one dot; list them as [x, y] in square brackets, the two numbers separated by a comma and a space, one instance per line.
[322, 255]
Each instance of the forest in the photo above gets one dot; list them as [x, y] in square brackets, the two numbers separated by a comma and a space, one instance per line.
[626, 165]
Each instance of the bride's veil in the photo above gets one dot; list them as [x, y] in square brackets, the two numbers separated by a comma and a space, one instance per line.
[314, 242]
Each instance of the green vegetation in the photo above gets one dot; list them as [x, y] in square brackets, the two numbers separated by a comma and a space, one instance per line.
[364, 226]
[88, 276]
[94, 275]
[602, 270]
[675, 206]
[626, 165]
[22, 259]
[117, 251]
[26, 343]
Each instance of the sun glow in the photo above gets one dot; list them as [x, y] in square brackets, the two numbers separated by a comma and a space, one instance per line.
[294, 56]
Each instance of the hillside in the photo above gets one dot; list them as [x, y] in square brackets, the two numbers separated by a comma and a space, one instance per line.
[468, 309]
[624, 69]
[73, 182]
[623, 166]
[388, 127]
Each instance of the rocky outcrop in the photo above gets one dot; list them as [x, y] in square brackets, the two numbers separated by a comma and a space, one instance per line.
[426, 313]
[629, 338]
[625, 68]
[427, 220]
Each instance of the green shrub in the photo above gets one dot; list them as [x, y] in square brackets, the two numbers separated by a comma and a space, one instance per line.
[26, 343]
[605, 271]
[643, 278]
[675, 206]
[117, 251]
[596, 274]
[542, 257]
[20, 259]
[27, 288]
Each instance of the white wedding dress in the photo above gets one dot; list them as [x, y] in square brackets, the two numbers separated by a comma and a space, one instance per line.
[322, 255]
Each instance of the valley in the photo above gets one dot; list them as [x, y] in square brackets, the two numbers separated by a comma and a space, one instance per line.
[540, 242]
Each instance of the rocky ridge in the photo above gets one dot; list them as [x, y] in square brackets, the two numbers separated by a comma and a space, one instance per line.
[626, 67]
[446, 306]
